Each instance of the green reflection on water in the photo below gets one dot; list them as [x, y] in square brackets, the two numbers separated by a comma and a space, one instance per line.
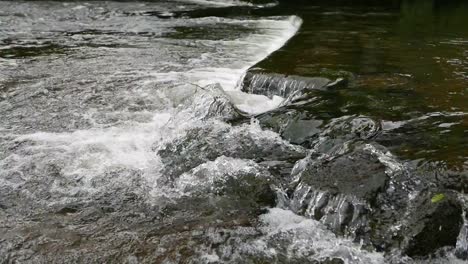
[405, 60]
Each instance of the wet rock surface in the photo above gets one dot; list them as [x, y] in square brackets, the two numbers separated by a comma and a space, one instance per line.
[203, 144]
[359, 173]
[358, 189]
[120, 224]
[438, 175]
[355, 195]
[461, 250]
[435, 221]
[210, 102]
[122, 141]
[298, 127]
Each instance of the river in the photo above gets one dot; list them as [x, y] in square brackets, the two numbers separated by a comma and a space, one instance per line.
[225, 131]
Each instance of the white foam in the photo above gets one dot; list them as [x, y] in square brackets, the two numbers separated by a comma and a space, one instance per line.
[128, 141]
[281, 237]
[221, 3]
[126, 145]
[309, 236]
[258, 104]
[84, 157]
[254, 103]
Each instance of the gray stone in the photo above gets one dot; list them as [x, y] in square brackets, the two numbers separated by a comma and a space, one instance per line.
[366, 195]
[434, 222]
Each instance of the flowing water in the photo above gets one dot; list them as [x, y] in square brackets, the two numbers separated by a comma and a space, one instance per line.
[405, 63]
[176, 131]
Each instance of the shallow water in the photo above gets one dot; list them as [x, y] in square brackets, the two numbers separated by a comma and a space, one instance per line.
[125, 134]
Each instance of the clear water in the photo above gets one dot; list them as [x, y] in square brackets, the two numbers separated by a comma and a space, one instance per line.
[112, 138]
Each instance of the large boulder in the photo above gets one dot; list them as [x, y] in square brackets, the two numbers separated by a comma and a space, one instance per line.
[366, 194]
[340, 192]
[434, 221]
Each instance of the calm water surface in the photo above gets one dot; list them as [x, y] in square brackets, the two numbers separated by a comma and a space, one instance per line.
[406, 64]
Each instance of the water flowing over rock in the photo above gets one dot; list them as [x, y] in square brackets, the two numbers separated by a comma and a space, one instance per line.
[462, 243]
[205, 143]
[238, 180]
[341, 132]
[147, 132]
[367, 195]
[208, 102]
[289, 87]
[279, 236]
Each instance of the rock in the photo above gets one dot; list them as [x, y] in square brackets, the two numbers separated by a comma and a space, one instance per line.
[330, 261]
[219, 192]
[206, 143]
[240, 181]
[67, 210]
[360, 174]
[278, 119]
[301, 131]
[299, 128]
[346, 128]
[293, 125]
[435, 221]
[445, 178]
[364, 193]
[461, 251]
[211, 101]
[340, 192]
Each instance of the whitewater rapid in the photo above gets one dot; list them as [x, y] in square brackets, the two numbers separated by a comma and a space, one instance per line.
[128, 139]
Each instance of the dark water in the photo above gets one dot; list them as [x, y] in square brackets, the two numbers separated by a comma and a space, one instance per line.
[406, 63]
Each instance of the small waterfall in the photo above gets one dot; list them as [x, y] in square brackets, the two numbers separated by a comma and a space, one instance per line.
[272, 84]
[344, 214]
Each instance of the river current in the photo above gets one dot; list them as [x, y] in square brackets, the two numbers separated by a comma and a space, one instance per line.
[128, 135]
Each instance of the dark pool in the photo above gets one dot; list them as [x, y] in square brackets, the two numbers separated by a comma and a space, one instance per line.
[406, 63]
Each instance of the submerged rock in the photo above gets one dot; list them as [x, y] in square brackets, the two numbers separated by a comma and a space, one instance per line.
[300, 128]
[203, 103]
[360, 174]
[279, 236]
[342, 131]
